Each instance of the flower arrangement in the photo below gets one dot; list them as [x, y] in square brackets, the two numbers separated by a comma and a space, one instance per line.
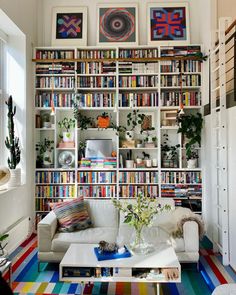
[139, 215]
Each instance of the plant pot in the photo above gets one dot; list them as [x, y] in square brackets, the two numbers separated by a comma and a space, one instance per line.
[68, 136]
[129, 135]
[15, 179]
[129, 163]
[48, 159]
[192, 163]
[103, 122]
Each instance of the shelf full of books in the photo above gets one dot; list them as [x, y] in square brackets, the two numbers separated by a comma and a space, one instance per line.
[96, 91]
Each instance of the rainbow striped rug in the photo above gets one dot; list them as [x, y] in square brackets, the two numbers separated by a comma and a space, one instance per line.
[27, 280]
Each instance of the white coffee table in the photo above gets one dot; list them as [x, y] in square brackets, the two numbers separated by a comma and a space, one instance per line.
[80, 256]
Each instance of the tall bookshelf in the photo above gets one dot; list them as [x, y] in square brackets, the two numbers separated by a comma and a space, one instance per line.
[151, 81]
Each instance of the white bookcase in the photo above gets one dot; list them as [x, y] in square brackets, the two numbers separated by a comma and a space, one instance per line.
[117, 81]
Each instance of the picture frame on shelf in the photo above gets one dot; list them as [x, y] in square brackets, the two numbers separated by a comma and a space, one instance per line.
[168, 24]
[148, 121]
[69, 26]
[117, 24]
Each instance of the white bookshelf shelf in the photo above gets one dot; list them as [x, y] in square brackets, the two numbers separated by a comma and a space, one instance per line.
[119, 102]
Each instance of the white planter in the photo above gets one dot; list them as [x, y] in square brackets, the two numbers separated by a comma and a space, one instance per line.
[68, 136]
[15, 179]
[129, 135]
[48, 159]
[192, 163]
[129, 163]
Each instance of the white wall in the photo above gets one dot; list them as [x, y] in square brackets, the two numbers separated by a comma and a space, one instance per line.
[18, 203]
[46, 8]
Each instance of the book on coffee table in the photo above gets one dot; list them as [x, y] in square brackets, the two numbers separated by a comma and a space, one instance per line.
[111, 255]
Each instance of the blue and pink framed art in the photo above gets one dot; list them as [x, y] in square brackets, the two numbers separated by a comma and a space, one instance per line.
[117, 24]
[168, 24]
[69, 26]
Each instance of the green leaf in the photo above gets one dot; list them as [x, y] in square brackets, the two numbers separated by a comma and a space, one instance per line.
[3, 237]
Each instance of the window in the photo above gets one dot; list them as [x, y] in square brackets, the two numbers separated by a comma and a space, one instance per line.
[1, 100]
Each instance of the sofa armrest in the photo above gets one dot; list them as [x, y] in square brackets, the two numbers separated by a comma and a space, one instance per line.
[46, 230]
[191, 236]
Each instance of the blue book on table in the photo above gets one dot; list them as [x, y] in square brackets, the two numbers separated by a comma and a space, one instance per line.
[111, 255]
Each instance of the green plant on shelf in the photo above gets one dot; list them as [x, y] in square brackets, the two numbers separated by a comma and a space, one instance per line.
[44, 149]
[190, 126]
[192, 155]
[66, 124]
[83, 122]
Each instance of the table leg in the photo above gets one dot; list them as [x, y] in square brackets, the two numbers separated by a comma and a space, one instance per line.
[10, 276]
[158, 289]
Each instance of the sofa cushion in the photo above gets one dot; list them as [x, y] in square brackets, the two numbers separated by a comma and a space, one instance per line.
[72, 215]
[103, 213]
[62, 241]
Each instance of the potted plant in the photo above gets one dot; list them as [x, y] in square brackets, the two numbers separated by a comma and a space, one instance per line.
[67, 124]
[103, 121]
[133, 120]
[45, 153]
[192, 159]
[191, 127]
[169, 153]
[139, 215]
[12, 144]
[83, 122]
[3, 252]
[149, 139]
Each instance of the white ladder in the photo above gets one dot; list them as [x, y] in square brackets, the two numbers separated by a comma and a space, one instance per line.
[219, 144]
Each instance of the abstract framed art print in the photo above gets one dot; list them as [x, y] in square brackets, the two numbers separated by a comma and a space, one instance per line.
[117, 24]
[69, 26]
[168, 24]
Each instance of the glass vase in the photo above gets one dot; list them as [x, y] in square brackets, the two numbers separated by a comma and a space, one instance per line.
[139, 242]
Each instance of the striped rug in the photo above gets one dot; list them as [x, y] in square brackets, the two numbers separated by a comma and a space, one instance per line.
[27, 280]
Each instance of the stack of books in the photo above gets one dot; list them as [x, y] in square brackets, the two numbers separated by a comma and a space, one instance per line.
[98, 163]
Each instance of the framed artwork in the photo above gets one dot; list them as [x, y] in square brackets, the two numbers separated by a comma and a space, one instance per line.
[117, 24]
[148, 121]
[168, 24]
[69, 26]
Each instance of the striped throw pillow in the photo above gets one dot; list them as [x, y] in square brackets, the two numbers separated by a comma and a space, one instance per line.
[72, 215]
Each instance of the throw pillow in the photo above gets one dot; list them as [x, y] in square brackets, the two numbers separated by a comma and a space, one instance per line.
[72, 215]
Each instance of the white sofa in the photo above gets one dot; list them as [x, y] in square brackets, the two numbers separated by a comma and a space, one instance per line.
[108, 225]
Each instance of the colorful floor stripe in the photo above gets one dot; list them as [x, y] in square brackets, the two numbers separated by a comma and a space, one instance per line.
[27, 280]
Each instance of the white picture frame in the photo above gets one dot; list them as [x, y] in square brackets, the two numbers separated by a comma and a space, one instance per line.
[71, 37]
[169, 39]
[130, 11]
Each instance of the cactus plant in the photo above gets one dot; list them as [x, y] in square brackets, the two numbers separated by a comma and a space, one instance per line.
[12, 142]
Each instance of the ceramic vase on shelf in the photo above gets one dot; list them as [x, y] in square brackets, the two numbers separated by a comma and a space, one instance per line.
[129, 135]
[15, 178]
[47, 159]
[68, 136]
[192, 163]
